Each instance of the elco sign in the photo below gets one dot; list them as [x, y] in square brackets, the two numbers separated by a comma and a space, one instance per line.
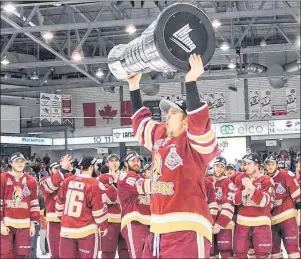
[238, 129]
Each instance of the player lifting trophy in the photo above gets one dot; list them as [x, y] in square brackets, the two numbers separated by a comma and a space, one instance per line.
[181, 38]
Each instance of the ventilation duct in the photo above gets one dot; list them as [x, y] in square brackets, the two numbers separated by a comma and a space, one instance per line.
[292, 66]
[276, 76]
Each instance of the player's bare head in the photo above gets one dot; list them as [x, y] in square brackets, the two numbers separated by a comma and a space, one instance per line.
[230, 169]
[88, 166]
[113, 162]
[133, 162]
[175, 116]
[219, 166]
[252, 164]
[17, 161]
[54, 168]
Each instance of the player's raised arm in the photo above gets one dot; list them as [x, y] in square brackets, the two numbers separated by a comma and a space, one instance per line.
[199, 131]
[144, 127]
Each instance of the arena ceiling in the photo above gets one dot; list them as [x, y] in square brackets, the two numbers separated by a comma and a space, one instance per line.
[91, 28]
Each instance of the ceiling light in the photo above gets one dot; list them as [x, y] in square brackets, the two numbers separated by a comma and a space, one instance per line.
[34, 76]
[225, 46]
[47, 35]
[131, 29]
[232, 65]
[9, 8]
[57, 5]
[216, 23]
[5, 61]
[76, 56]
[263, 43]
[99, 73]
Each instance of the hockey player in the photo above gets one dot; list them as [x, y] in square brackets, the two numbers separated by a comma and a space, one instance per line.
[230, 170]
[224, 226]
[114, 238]
[253, 195]
[82, 212]
[49, 186]
[287, 199]
[19, 209]
[182, 148]
[133, 192]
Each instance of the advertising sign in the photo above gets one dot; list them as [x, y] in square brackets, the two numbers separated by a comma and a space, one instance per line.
[284, 126]
[237, 129]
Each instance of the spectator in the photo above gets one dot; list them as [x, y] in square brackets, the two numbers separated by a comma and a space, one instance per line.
[46, 159]
[42, 227]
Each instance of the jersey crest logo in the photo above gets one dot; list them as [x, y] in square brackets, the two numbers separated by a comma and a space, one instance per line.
[280, 189]
[219, 193]
[173, 160]
[17, 194]
[157, 166]
[26, 191]
[9, 182]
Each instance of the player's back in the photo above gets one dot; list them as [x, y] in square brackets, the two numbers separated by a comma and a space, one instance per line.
[77, 218]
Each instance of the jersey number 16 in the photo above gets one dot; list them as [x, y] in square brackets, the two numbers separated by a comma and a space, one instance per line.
[74, 203]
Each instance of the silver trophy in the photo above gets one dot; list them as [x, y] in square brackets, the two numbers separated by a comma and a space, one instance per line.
[165, 46]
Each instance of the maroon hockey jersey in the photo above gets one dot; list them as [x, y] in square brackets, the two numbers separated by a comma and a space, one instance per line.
[178, 200]
[254, 209]
[287, 192]
[211, 199]
[133, 192]
[224, 190]
[19, 205]
[49, 185]
[111, 198]
[80, 207]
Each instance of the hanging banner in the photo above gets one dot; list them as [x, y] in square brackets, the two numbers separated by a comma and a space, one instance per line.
[209, 99]
[265, 103]
[220, 105]
[254, 103]
[56, 109]
[67, 108]
[291, 100]
[45, 107]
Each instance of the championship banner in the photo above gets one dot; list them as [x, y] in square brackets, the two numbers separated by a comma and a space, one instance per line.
[220, 105]
[56, 109]
[254, 103]
[209, 99]
[291, 100]
[67, 108]
[265, 103]
[45, 107]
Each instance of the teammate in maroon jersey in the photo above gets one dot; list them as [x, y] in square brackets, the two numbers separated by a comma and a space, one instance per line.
[114, 238]
[224, 225]
[133, 192]
[287, 199]
[19, 209]
[82, 212]
[49, 186]
[253, 195]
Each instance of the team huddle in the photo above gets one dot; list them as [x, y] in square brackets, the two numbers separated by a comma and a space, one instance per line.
[170, 211]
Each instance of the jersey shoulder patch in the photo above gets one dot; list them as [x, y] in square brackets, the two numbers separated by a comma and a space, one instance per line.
[101, 186]
[290, 173]
[122, 176]
[231, 186]
[131, 181]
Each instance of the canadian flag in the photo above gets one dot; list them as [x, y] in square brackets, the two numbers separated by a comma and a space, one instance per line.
[113, 114]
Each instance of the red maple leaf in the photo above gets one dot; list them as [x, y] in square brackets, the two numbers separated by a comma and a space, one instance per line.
[107, 113]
